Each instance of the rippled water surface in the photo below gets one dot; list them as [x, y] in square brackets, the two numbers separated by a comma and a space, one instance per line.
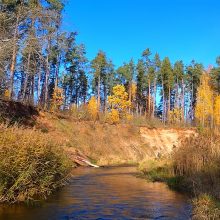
[106, 193]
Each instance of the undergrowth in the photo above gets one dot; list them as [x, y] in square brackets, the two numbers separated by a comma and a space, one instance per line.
[194, 167]
[32, 166]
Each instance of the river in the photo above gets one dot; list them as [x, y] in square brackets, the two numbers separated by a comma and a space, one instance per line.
[106, 193]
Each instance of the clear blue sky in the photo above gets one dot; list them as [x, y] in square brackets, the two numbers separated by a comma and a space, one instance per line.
[180, 29]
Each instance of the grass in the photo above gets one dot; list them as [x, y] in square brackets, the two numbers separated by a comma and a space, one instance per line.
[32, 166]
[104, 143]
[194, 168]
[198, 160]
[205, 208]
[161, 170]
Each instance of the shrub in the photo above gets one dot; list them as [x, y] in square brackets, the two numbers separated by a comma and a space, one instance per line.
[31, 165]
[93, 108]
[113, 117]
[79, 113]
[57, 99]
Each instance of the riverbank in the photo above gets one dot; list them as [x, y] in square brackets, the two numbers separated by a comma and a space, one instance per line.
[106, 193]
[193, 168]
[38, 149]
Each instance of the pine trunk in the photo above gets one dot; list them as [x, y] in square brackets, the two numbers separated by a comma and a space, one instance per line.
[163, 103]
[155, 96]
[46, 83]
[26, 80]
[98, 90]
[149, 98]
[129, 95]
[168, 109]
[14, 57]
[183, 100]
[38, 87]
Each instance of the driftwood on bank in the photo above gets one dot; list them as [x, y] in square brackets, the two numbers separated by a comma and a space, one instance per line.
[79, 158]
[81, 161]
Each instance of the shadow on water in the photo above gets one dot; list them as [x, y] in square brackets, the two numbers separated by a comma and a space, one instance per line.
[106, 193]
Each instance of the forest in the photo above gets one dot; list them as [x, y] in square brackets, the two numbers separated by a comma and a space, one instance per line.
[60, 110]
[40, 63]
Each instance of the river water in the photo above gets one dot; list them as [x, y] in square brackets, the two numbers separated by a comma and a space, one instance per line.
[106, 193]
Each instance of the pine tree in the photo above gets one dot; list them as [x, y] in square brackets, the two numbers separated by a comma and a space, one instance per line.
[149, 75]
[167, 82]
[194, 72]
[99, 66]
[179, 79]
[141, 81]
[126, 74]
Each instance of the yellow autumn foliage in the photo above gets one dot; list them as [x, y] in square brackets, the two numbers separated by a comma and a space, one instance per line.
[119, 99]
[129, 117]
[113, 117]
[133, 91]
[204, 104]
[93, 108]
[217, 110]
[7, 94]
[57, 99]
[175, 115]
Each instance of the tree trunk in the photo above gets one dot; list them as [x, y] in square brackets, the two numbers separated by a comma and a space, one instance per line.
[129, 95]
[14, 56]
[163, 104]
[32, 91]
[176, 100]
[183, 100]
[155, 96]
[168, 109]
[38, 85]
[98, 90]
[26, 79]
[57, 71]
[149, 98]
[47, 74]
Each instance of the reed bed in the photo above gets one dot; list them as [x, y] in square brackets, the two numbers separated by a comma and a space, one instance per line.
[32, 166]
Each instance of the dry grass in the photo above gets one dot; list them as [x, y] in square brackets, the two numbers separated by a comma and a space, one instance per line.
[31, 165]
[106, 144]
[205, 208]
[193, 167]
[198, 160]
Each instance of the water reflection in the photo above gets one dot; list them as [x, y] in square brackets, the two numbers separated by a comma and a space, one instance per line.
[106, 193]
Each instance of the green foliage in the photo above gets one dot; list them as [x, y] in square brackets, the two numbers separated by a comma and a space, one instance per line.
[141, 83]
[194, 72]
[215, 77]
[166, 77]
[156, 169]
[126, 72]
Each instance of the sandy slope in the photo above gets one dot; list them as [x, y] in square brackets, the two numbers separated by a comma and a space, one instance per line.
[162, 140]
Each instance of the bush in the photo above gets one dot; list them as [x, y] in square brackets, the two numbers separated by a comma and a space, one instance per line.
[205, 207]
[79, 113]
[113, 117]
[31, 165]
[93, 108]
